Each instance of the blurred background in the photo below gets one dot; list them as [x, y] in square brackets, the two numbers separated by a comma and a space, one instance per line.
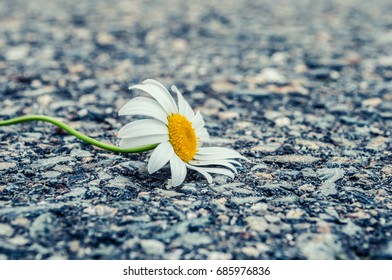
[77, 47]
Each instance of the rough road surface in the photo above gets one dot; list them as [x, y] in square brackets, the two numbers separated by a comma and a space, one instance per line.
[301, 88]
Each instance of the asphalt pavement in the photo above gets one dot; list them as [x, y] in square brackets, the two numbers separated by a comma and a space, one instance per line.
[303, 89]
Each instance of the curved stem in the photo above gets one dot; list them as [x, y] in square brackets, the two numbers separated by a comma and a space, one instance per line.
[70, 130]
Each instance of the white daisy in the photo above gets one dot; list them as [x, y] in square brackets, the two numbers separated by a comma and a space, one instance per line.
[179, 133]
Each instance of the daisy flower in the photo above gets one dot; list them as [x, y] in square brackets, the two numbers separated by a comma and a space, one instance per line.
[179, 133]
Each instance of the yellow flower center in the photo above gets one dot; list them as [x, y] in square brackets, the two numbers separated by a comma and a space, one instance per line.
[182, 137]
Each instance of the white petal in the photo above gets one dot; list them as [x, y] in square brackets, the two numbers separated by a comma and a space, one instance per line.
[128, 143]
[234, 162]
[215, 157]
[198, 121]
[201, 171]
[214, 162]
[144, 106]
[218, 171]
[160, 94]
[178, 170]
[160, 156]
[142, 128]
[183, 106]
[203, 134]
[212, 153]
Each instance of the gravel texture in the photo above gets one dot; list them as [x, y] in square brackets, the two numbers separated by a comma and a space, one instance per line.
[301, 88]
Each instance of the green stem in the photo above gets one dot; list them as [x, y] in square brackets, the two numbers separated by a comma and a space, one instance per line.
[70, 130]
